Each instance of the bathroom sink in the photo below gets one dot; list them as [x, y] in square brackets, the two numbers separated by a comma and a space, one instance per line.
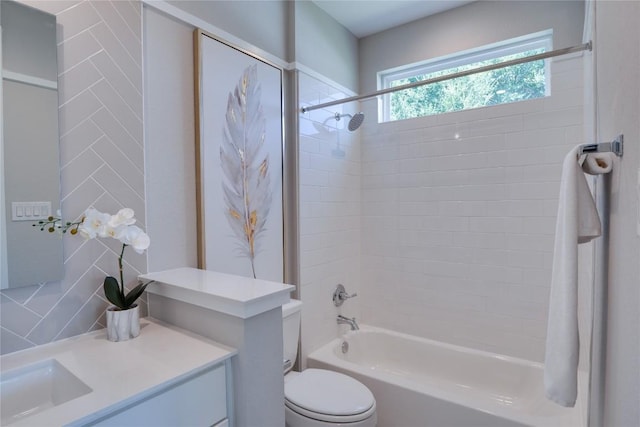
[32, 389]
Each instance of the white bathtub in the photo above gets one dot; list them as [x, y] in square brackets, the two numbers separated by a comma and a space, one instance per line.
[424, 383]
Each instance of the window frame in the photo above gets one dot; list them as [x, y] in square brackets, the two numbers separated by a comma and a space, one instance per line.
[538, 40]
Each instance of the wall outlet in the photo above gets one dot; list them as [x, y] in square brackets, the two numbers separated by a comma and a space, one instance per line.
[30, 211]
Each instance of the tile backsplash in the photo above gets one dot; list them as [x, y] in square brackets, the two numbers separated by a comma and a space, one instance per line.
[102, 161]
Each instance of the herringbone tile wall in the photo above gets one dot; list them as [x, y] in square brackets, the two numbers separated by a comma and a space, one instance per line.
[102, 161]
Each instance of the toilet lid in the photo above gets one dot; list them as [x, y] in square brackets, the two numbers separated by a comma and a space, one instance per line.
[330, 393]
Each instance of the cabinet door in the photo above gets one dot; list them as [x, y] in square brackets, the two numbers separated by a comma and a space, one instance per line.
[200, 401]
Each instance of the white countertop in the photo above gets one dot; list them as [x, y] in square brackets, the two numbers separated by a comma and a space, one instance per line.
[237, 296]
[119, 372]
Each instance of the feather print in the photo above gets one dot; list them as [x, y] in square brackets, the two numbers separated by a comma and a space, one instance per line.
[246, 179]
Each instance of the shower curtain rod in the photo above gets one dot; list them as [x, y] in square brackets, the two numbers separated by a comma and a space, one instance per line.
[544, 55]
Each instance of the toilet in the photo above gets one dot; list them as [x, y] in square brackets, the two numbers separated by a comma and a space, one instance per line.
[318, 397]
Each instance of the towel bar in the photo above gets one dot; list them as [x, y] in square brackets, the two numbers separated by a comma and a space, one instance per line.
[615, 146]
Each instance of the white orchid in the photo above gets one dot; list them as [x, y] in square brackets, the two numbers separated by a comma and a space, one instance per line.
[123, 217]
[136, 238]
[94, 224]
[120, 227]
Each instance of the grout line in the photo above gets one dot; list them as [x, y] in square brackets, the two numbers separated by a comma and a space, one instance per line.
[115, 117]
[84, 150]
[110, 141]
[115, 33]
[87, 89]
[23, 305]
[138, 66]
[108, 166]
[73, 190]
[77, 312]
[62, 296]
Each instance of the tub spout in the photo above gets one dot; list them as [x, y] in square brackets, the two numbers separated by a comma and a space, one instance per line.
[351, 322]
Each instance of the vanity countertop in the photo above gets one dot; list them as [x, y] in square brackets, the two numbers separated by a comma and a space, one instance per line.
[119, 372]
[237, 296]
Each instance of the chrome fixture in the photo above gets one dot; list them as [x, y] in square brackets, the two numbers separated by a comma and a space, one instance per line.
[354, 122]
[537, 57]
[340, 295]
[616, 146]
[342, 320]
[345, 347]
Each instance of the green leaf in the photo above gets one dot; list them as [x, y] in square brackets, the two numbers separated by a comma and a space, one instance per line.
[113, 294]
[135, 294]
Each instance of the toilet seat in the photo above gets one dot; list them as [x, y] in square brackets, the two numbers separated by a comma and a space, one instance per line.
[328, 396]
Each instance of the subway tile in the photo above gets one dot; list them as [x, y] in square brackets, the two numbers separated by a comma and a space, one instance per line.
[20, 294]
[130, 11]
[554, 119]
[121, 164]
[75, 267]
[12, 342]
[77, 171]
[131, 95]
[120, 189]
[75, 20]
[77, 140]
[114, 48]
[77, 79]
[119, 27]
[78, 200]
[76, 50]
[16, 318]
[77, 110]
[130, 117]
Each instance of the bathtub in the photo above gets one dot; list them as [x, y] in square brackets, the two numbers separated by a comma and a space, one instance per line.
[423, 383]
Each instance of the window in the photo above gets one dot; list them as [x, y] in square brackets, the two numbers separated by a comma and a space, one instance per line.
[515, 83]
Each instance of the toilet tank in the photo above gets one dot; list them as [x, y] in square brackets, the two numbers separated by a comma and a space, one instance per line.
[291, 316]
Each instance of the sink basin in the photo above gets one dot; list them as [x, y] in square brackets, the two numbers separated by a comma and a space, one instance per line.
[32, 389]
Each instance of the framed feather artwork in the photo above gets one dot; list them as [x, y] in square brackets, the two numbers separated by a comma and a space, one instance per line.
[239, 157]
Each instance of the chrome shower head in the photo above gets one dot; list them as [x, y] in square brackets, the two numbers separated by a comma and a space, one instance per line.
[355, 121]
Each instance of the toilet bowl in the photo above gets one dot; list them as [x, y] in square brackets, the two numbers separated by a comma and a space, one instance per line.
[318, 397]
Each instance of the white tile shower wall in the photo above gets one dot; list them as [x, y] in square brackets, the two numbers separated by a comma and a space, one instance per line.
[101, 155]
[458, 218]
[329, 213]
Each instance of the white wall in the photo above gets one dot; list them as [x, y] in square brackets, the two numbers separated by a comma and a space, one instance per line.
[170, 141]
[263, 24]
[618, 93]
[325, 46]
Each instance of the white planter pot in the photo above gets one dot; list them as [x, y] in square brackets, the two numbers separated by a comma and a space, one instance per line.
[123, 325]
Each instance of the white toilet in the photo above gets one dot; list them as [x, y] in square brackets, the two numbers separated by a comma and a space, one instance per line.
[317, 397]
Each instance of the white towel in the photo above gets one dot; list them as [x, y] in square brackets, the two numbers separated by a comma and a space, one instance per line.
[598, 163]
[577, 222]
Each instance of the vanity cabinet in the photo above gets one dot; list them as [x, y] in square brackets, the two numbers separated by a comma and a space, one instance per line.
[164, 377]
[200, 400]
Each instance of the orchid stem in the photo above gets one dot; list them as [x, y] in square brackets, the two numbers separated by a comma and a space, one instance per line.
[121, 274]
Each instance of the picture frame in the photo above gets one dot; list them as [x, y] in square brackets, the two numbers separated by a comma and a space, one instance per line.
[239, 160]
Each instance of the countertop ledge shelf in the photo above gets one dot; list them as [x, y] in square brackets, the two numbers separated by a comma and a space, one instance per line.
[237, 296]
[119, 373]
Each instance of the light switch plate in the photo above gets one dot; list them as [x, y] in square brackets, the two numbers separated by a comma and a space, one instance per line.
[30, 211]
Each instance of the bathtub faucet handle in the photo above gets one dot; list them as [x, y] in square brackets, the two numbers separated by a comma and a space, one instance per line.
[340, 295]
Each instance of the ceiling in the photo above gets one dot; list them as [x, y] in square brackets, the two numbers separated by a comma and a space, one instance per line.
[366, 17]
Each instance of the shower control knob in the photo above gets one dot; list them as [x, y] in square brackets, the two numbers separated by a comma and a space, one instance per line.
[340, 295]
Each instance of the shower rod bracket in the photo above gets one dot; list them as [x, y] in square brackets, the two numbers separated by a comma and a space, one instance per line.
[616, 146]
